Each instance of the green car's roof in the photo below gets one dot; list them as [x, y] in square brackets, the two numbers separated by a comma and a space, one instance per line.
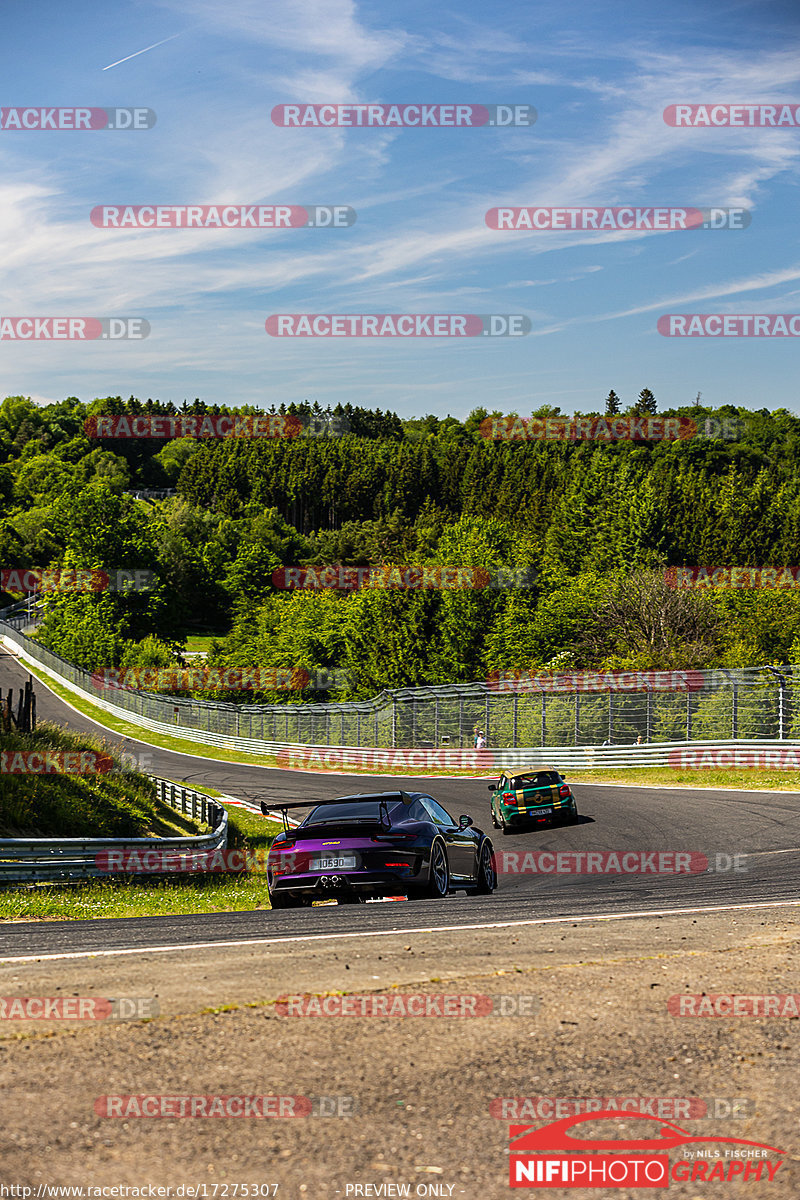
[517, 771]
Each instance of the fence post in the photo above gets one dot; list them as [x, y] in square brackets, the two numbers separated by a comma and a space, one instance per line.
[577, 717]
[515, 719]
[341, 735]
[486, 718]
[610, 716]
[782, 709]
[358, 727]
[394, 722]
[376, 725]
[735, 711]
[461, 722]
[544, 718]
[688, 716]
[436, 720]
[649, 714]
[414, 722]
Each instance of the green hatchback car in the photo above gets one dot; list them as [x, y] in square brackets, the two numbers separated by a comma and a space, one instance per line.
[531, 796]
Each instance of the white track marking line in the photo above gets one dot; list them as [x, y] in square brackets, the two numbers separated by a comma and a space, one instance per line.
[318, 937]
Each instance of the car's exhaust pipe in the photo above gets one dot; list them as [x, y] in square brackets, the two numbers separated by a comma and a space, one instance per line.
[331, 881]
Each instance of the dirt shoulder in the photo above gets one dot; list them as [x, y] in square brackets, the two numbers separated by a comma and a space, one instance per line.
[422, 1087]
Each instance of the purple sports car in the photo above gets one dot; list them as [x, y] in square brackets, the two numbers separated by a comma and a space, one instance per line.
[376, 844]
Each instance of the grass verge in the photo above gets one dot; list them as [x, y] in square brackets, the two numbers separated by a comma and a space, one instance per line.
[117, 803]
[153, 897]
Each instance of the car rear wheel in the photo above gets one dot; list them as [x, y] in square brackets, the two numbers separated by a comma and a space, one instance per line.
[438, 884]
[487, 875]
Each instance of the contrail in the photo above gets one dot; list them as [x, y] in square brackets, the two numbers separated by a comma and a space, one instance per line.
[122, 60]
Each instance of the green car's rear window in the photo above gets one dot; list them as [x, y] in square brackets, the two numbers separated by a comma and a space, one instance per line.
[538, 779]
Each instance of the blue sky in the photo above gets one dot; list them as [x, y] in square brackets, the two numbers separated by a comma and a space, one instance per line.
[599, 75]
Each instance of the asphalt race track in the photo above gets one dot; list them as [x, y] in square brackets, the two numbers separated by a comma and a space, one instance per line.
[762, 828]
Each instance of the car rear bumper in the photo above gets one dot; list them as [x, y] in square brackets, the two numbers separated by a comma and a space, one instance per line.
[330, 885]
[534, 814]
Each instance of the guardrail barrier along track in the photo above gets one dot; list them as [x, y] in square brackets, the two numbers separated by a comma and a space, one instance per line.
[36, 860]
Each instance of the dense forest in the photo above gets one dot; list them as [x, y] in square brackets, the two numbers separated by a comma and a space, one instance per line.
[595, 523]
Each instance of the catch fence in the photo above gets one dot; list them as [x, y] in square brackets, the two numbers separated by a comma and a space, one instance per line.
[737, 705]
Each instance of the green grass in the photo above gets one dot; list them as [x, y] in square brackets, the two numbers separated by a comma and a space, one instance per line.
[113, 804]
[202, 641]
[201, 893]
[737, 777]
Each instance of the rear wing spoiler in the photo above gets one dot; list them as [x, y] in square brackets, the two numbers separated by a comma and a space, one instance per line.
[382, 798]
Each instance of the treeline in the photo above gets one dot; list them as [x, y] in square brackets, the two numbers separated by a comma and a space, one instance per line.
[597, 522]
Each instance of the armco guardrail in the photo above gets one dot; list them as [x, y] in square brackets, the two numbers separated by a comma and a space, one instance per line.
[34, 860]
[743, 704]
[678, 755]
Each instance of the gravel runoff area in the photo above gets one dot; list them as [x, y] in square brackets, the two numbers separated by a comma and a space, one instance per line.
[411, 1097]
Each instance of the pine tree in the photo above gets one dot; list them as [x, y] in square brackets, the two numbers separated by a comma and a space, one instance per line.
[646, 403]
[612, 404]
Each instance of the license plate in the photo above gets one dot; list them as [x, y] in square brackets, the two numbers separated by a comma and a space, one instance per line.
[543, 812]
[344, 862]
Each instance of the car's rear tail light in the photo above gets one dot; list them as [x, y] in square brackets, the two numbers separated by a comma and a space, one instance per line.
[508, 796]
[563, 791]
[395, 837]
[402, 864]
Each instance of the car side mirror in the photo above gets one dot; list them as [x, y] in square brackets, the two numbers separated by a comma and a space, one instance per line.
[493, 786]
[464, 821]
